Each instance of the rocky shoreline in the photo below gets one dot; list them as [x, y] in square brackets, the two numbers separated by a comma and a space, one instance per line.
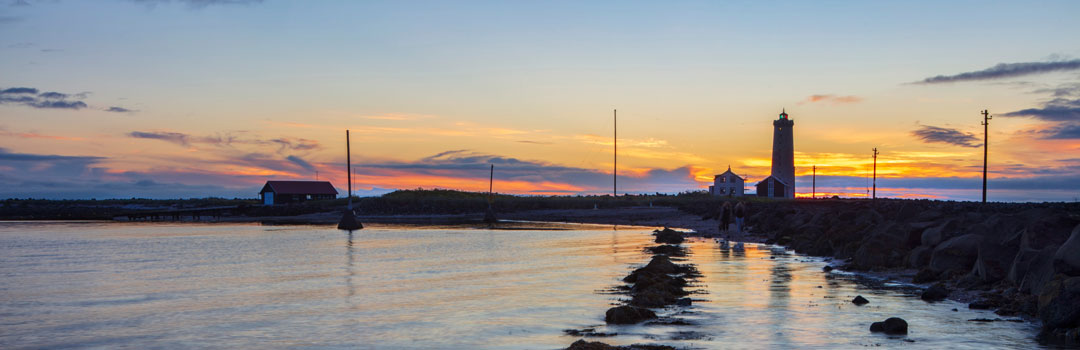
[1019, 260]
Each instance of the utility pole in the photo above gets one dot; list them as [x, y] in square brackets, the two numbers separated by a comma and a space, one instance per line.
[813, 193]
[875, 173]
[491, 185]
[986, 144]
[615, 167]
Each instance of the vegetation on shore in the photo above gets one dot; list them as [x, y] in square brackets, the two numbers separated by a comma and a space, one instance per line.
[401, 202]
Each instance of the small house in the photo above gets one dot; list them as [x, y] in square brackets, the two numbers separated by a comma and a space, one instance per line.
[284, 192]
[772, 187]
[728, 184]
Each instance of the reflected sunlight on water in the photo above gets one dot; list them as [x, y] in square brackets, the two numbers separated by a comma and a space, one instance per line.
[116, 285]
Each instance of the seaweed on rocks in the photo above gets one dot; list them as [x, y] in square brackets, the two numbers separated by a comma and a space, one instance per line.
[586, 345]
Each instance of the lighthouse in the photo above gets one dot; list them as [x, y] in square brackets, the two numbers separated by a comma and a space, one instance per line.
[781, 183]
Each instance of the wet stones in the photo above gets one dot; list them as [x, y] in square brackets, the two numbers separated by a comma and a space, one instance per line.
[668, 236]
[586, 345]
[660, 283]
[891, 325]
[859, 300]
[628, 315]
[937, 292]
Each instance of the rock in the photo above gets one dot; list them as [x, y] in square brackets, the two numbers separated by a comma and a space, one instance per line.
[935, 235]
[683, 302]
[994, 260]
[1059, 303]
[928, 215]
[925, 275]
[585, 345]
[1034, 269]
[978, 305]
[907, 212]
[859, 300]
[868, 217]
[669, 236]
[1046, 228]
[956, 254]
[1067, 258]
[920, 256]
[937, 292]
[827, 268]
[892, 325]
[884, 248]
[627, 315]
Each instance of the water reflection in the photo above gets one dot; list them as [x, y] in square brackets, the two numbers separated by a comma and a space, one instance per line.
[244, 286]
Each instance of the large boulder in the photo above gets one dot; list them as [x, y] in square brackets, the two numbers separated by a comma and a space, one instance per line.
[1047, 228]
[1059, 303]
[936, 292]
[628, 315]
[868, 217]
[907, 212]
[937, 234]
[1032, 269]
[891, 325]
[956, 254]
[920, 257]
[1067, 258]
[994, 260]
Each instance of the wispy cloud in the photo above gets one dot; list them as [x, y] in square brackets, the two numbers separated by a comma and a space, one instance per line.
[116, 109]
[1006, 70]
[301, 162]
[832, 99]
[174, 137]
[467, 170]
[32, 97]
[935, 134]
[282, 144]
[1056, 110]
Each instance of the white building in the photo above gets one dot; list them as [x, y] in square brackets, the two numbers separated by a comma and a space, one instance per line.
[727, 184]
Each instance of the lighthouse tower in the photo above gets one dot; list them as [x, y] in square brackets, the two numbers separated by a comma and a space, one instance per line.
[783, 154]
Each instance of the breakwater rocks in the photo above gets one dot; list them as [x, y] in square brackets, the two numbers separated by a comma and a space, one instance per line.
[659, 284]
[1018, 259]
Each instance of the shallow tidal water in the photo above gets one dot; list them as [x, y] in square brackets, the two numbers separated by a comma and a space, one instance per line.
[143, 285]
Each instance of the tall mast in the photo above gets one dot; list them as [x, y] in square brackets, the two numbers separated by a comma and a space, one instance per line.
[615, 167]
[348, 165]
[813, 191]
[491, 183]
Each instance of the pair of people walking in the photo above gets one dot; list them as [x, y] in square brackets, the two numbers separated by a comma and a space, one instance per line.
[729, 215]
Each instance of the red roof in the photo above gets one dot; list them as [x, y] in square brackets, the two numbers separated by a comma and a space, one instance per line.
[299, 187]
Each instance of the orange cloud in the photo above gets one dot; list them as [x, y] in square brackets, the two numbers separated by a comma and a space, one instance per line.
[832, 99]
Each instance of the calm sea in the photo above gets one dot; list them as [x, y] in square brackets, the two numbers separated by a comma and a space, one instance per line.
[139, 286]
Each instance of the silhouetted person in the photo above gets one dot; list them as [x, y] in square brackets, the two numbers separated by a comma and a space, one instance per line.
[725, 217]
[740, 214]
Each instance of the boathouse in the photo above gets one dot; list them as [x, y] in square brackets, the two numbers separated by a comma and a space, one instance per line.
[285, 192]
[727, 184]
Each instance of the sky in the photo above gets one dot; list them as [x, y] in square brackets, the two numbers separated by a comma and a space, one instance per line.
[198, 98]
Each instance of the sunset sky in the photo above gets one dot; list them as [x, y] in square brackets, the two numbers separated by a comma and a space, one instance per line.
[197, 98]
